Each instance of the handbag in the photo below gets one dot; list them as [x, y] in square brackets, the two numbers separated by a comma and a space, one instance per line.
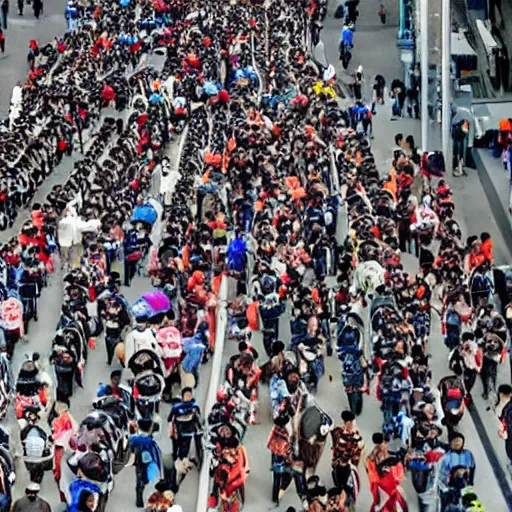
[433, 164]
[134, 256]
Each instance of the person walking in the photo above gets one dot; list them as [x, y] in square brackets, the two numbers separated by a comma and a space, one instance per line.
[2, 41]
[37, 5]
[4, 9]
[378, 92]
[347, 447]
[504, 413]
[456, 457]
[382, 13]
[31, 502]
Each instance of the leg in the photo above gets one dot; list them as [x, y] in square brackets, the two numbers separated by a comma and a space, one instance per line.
[139, 486]
[340, 476]
[493, 375]
[64, 253]
[484, 374]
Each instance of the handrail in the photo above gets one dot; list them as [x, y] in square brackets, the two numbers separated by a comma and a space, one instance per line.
[203, 490]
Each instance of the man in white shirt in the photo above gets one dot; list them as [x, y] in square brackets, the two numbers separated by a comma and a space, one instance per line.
[141, 337]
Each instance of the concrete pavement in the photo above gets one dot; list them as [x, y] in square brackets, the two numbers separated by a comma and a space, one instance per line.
[20, 30]
[40, 337]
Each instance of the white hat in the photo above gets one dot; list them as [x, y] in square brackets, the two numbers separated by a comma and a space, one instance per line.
[33, 487]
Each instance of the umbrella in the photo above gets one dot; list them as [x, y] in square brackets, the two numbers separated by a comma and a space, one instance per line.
[158, 301]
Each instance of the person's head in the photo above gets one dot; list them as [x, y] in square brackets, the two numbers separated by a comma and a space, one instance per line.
[87, 502]
[410, 142]
[505, 391]
[485, 236]
[187, 394]
[457, 442]
[470, 240]
[399, 138]
[348, 418]
[115, 378]
[468, 336]
[32, 491]
[378, 438]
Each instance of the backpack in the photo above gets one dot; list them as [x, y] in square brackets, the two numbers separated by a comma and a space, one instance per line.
[340, 12]
[131, 241]
[351, 371]
[453, 318]
[93, 467]
[479, 283]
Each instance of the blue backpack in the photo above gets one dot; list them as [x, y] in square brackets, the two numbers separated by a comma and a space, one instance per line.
[351, 371]
[453, 319]
[131, 242]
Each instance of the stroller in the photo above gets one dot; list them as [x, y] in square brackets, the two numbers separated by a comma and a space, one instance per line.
[29, 292]
[7, 386]
[31, 390]
[148, 384]
[69, 355]
[11, 321]
[350, 348]
[107, 430]
[7, 472]
[481, 286]
[38, 451]
[148, 387]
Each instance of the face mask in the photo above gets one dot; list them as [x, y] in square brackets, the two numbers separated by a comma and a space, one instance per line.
[31, 497]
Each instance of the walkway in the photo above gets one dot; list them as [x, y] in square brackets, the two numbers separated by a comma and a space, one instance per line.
[375, 49]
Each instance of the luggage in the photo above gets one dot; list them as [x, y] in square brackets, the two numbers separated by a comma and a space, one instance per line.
[340, 12]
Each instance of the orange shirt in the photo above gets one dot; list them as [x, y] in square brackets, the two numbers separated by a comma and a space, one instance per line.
[487, 250]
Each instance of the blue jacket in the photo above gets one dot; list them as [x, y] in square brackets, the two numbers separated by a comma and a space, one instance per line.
[76, 488]
[149, 451]
[347, 37]
[236, 255]
[450, 460]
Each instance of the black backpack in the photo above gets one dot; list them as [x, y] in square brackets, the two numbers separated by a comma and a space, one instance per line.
[340, 11]
[93, 467]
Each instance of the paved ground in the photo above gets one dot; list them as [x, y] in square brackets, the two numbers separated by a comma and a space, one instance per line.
[375, 49]
[20, 30]
[40, 337]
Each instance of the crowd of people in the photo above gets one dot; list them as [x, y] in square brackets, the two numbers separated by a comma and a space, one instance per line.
[268, 166]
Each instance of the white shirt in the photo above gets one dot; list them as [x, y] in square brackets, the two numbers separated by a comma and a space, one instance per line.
[140, 340]
[17, 95]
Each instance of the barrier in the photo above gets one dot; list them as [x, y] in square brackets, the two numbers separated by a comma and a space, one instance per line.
[203, 490]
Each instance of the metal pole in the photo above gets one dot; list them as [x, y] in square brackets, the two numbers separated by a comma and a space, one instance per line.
[424, 73]
[446, 84]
